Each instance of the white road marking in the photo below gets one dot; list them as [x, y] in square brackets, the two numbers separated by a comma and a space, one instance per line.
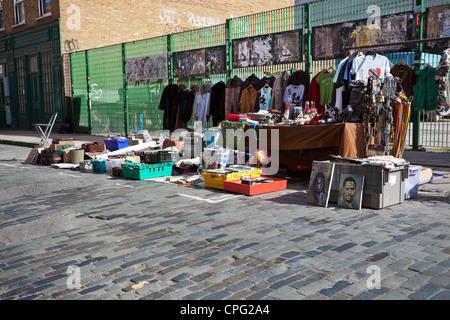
[215, 200]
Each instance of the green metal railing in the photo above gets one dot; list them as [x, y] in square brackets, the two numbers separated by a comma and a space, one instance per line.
[104, 101]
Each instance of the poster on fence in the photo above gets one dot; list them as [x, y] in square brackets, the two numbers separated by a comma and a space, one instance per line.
[197, 62]
[328, 42]
[437, 25]
[253, 52]
[215, 60]
[147, 68]
[181, 64]
[288, 47]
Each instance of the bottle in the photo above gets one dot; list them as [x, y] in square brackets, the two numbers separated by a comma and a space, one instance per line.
[286, 112]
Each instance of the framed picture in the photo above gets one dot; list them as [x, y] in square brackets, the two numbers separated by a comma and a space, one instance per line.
[288, 47]
[351, 188]
[147, 68]
[320, 183]
[253, 52]
[181, 64]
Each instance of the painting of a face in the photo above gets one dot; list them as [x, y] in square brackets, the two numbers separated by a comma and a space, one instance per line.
[349, 190]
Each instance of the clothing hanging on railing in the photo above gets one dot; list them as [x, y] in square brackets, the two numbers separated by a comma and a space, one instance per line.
[232, 91]
[202, 103]
[407, 77]
[279, 87]
[293, 95]
[169, 103]
[300, 77]
[186, 98]
[326, 84]
[195, 88]
[264, 98]
[371, 64]
[251, 80]
[247, 101]
[426, 89]
[217, 105]
[442, 77]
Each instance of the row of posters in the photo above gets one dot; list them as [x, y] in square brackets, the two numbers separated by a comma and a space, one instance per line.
[328, 42]
[267, 50]
[199, 62]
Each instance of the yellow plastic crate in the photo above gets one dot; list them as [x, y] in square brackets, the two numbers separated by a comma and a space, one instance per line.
[216, 178]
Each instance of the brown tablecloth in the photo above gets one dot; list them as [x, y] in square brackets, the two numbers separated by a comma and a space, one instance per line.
[301, 145]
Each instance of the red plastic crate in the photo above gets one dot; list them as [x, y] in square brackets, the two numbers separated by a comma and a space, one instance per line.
[260, 188]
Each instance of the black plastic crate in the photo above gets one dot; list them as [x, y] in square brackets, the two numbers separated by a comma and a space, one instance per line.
[160, 156]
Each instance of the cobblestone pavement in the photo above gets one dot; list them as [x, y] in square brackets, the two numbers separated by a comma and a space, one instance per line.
[152, 240]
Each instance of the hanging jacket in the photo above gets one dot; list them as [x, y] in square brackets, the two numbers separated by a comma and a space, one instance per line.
[279, 87]
[425, 90]
[248, 100]
[442, 77]
[186, 97]
[169, 103]
[217, 104]
[233, 88]
[407, 76]
[202, 103]
[314, 94]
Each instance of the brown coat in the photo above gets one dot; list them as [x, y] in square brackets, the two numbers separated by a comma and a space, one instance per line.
[248, 100]
[407, 76]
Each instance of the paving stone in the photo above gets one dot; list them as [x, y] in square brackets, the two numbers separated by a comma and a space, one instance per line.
[420, 266]
[443, 295]
[338, 286]
[425, 292]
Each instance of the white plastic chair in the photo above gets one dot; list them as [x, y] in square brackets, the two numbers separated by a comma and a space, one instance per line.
[45, 129]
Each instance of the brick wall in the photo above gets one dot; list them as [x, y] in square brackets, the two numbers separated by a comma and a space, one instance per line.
[32, 17]
[90, 24]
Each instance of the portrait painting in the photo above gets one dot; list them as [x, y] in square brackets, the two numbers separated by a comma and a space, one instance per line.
[351, 188]
[320, 183]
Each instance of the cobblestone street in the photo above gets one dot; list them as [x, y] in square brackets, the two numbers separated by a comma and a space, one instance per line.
[152, 240]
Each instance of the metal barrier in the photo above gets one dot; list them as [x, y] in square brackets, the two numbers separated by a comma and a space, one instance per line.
[104, 101]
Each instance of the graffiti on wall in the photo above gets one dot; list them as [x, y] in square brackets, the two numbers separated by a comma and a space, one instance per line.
[175, 22]
[71, 45]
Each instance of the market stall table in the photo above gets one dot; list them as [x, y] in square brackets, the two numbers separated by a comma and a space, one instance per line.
[300, 145]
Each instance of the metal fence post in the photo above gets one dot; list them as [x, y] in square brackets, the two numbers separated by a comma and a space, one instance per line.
[418, 10]
[88, 89]
[170, 57]
[125, 89]
[307, 38]
[229, 49]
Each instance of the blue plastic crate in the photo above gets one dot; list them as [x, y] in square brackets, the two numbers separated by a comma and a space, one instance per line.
[115, 144]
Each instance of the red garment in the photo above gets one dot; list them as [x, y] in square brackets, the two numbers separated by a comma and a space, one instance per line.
[314, 94]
